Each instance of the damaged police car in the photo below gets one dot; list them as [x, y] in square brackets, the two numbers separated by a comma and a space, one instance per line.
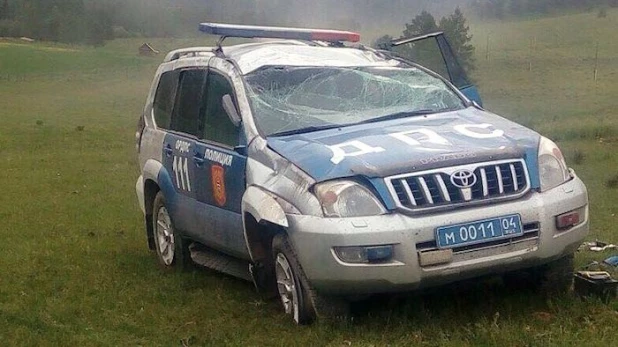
[324, 172]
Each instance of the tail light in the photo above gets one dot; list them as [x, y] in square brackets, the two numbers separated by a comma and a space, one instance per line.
[141, 125]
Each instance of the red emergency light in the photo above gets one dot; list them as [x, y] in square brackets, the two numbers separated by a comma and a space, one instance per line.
[252, 31]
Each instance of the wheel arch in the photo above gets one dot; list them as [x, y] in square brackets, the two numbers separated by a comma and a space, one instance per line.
[151, 188]
[150, 174]
[263, 217]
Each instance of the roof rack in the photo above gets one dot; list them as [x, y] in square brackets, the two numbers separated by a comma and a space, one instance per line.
[192, 51]
[252, 31]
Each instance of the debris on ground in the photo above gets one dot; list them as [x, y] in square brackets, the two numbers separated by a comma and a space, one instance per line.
[598, 279]
[597, 246]
[612, 261]
[595, 283]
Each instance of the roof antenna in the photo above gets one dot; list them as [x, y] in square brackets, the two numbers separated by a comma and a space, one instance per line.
[219, 49]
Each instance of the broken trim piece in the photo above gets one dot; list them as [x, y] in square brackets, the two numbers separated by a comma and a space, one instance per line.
[263, 206]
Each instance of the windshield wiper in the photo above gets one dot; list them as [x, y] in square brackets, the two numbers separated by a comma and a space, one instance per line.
[307, 129]
[403, 115]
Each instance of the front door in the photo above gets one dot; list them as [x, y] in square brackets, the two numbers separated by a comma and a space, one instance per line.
[220, 172]
[435, 53]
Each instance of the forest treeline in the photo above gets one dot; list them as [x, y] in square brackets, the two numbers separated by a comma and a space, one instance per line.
[95, 21]
[504, 8]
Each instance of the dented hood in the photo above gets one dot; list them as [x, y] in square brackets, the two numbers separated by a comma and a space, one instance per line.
[407, 145]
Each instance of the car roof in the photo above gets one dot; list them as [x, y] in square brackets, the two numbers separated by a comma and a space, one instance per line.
[252, 56]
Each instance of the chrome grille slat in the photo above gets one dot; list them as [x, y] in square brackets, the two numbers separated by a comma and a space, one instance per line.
[406, 186]
[443, 190]
[499, 178]
[484, 181]
[514, 175]
[426, 191]
[436, 189]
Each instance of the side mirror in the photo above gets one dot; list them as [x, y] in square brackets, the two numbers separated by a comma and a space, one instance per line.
[230, 109]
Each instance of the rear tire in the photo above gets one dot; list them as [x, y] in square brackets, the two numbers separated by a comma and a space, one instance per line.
[171, 248]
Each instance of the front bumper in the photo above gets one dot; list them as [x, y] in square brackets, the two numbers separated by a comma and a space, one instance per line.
[315, 237]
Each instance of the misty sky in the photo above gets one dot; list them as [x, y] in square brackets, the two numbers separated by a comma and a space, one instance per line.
[371, 17]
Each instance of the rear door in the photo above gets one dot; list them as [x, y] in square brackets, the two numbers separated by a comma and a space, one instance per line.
[179, 143]
[435, 53]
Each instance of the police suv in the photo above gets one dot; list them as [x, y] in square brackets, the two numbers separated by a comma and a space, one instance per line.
[324, 172]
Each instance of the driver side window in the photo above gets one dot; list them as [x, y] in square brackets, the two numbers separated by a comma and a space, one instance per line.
[217, 125]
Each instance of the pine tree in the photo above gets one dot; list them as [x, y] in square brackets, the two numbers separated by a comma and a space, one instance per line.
[458, 35]
[425, 53]
[423, 23]
[4, 10]
[382, 42]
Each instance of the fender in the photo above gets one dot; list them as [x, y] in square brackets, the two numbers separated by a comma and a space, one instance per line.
[155, 171]
[263, 206]
[151, 170]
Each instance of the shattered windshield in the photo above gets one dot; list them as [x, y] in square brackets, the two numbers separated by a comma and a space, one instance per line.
[287, 99]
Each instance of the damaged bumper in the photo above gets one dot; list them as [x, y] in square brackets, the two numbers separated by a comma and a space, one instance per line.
[139, 190]
[416, 261]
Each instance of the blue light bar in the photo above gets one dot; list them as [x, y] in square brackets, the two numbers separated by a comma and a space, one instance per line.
[251, 31]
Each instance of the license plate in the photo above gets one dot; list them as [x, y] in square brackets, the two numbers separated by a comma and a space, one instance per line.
[479, 231]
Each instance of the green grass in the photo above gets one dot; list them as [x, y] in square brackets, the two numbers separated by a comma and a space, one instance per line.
[76, 269]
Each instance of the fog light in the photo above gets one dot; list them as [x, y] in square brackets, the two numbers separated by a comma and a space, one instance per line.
[368, 254]
[351, 254]
[570, 219]
[379, 253]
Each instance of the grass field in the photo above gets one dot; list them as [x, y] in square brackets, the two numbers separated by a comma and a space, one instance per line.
[75, 265]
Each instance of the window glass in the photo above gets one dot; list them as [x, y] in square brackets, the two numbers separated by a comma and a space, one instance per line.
[218, 127]
[425, 52]
[164, 99]
[458, 75]
[187, 109]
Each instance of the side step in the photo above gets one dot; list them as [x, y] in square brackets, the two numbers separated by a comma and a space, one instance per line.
[218, 261]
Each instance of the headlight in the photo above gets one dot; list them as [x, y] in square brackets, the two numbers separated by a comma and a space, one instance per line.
[553, 169]
[347, 199]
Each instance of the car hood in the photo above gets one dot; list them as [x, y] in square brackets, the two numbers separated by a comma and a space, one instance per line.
[407, 145]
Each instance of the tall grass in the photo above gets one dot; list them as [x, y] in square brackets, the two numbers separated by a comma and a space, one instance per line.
[75, 265]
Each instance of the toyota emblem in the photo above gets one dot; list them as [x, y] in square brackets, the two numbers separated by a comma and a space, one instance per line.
[463, 178]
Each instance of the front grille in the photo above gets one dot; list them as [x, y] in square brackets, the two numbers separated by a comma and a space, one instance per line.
[461, 185]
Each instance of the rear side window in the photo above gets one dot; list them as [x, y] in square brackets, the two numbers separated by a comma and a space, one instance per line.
[188, 106]
[218, 127]
[164, 98]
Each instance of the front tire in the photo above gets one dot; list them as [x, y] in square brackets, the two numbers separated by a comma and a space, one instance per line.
[551, 279]
[171, 249]
[556, 278]
[291, 283]
[298, 298]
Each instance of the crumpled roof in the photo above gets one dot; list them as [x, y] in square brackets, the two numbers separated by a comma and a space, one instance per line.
[251, 57]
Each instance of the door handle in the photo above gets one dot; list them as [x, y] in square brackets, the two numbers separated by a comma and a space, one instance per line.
[198, 159]
[168, 150]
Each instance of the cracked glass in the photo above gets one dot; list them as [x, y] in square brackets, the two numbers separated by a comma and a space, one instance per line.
[287, 99]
